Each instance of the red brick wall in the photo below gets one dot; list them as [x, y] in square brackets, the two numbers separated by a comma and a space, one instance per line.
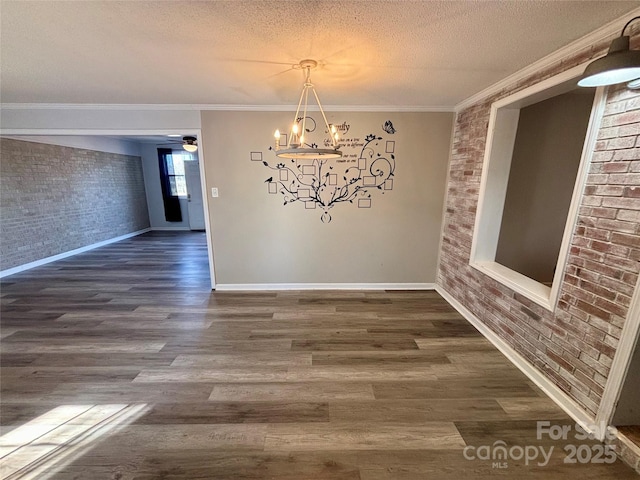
[575, 345]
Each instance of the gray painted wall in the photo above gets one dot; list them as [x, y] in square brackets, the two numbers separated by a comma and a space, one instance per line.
[546, 157]
[88, 142]
[628, 408]
[56, 199]
[258, 240]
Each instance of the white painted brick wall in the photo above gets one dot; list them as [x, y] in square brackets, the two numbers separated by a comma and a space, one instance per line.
[54, 199]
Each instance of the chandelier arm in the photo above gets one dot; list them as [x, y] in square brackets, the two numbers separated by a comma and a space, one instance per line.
[304, 115]
[326, 123]
[307, 84]
[295, 118]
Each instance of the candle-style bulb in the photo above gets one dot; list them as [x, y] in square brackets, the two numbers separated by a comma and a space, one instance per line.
[333, 129]
[277, 137]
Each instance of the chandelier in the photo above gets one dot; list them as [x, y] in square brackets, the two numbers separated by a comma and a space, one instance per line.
[296, 145]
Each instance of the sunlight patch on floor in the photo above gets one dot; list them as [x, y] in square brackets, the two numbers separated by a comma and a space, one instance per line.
[40, 447]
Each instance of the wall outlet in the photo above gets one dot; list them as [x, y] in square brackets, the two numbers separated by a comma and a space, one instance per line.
[214, 192]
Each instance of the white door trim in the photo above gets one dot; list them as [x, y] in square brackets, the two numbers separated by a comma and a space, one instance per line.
[205, 205]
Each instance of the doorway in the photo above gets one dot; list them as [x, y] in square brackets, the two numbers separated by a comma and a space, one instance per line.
[173, 186]
[118, 144]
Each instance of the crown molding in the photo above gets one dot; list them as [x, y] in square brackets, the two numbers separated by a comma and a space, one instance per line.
[221, 107]
[610, 29]
[95, 106]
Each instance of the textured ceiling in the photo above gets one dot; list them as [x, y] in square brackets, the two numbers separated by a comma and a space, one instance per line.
[386, 53]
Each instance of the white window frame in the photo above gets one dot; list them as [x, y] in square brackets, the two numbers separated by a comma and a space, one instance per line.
[185, 157]
[503, 124]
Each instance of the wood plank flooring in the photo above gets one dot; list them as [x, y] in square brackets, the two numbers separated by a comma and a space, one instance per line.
[120, 363]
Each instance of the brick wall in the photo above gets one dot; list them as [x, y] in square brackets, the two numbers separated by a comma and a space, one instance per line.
[575, 345]
[55, 199]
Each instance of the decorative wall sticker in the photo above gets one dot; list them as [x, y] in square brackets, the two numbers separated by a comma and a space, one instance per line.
[390, 147]
[366, 166]
[310, 123]
[388, 127]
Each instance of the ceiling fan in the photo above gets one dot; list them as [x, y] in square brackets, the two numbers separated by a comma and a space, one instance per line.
[189, 143]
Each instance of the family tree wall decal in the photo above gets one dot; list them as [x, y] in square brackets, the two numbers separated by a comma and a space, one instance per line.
[324, 183]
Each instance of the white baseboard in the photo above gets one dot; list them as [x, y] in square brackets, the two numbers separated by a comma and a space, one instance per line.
[565, 402]
[323, 286]
[70, 253]
[170, 229]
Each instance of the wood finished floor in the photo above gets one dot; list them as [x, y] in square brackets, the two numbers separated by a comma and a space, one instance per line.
[135, 370]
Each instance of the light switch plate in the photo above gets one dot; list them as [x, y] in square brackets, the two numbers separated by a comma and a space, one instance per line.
[214, 192]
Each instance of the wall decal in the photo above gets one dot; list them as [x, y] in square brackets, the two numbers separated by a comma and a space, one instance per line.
[310, 123]
[366, 166]
[390, 147]
[388, 127]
